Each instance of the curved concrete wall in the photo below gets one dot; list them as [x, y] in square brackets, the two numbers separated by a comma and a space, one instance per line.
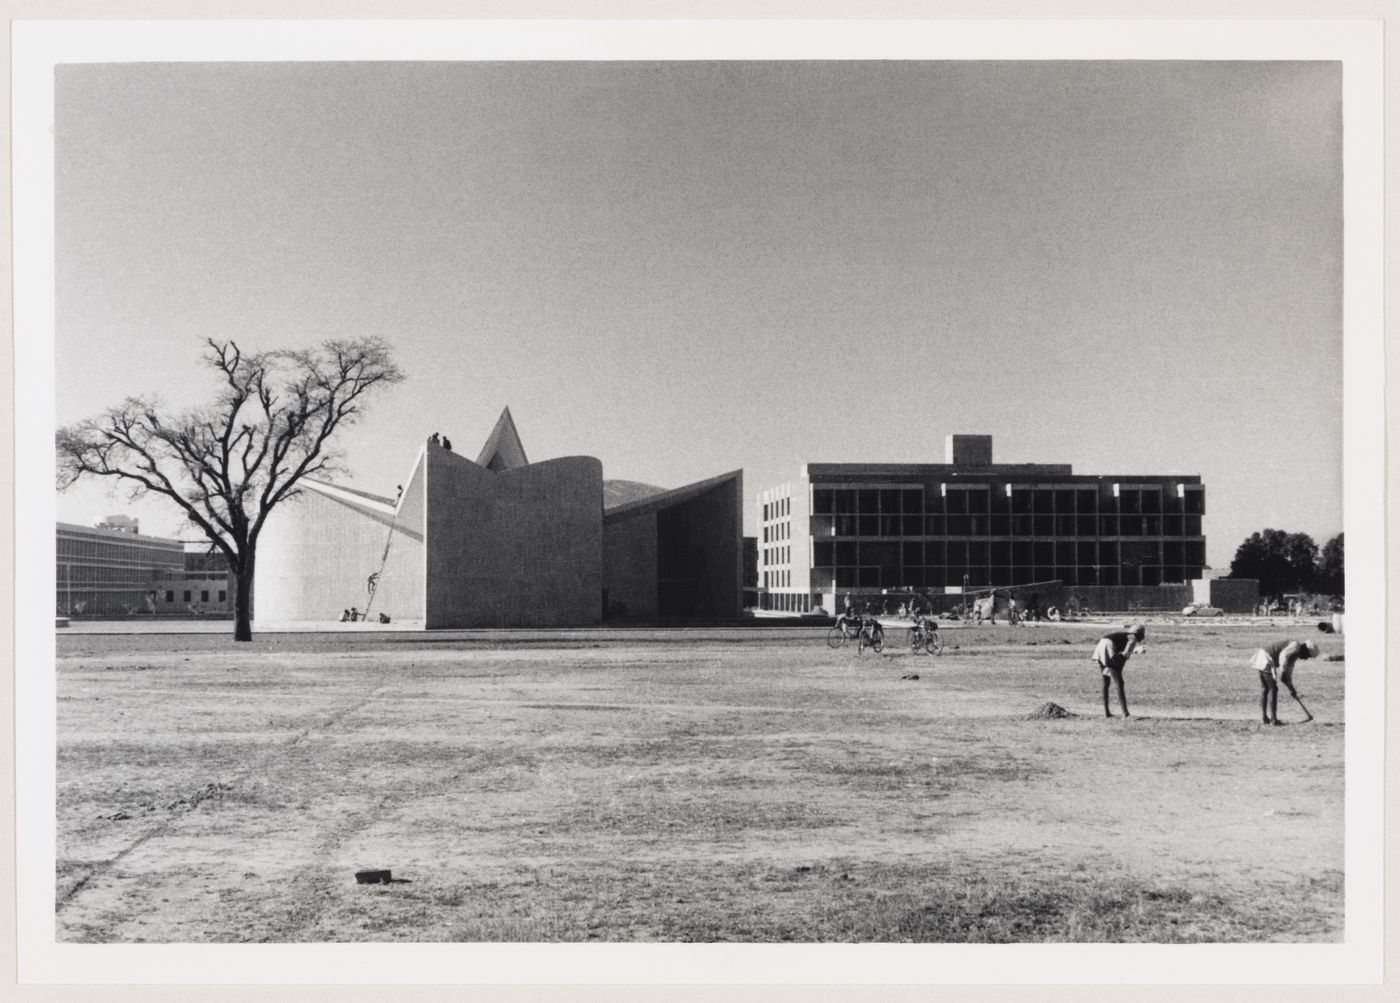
[513, 548]
[317, 550]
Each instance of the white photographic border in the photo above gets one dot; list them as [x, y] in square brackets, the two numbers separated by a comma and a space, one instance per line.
[37, 46]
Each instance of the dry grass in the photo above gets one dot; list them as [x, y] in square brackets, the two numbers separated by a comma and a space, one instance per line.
[719, 786]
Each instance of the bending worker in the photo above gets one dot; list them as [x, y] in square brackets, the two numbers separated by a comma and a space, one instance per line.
[1111, 654]
[1275, 664]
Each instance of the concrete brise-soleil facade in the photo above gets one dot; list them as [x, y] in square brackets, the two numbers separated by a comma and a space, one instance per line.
[502, 542]
[969, 524]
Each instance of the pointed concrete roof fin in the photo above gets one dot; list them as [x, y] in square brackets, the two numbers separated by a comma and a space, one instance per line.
[503, 450]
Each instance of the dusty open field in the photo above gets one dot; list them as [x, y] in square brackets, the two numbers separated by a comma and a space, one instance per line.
[716, 785]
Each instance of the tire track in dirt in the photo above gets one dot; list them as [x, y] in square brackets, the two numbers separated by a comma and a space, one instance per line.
[258, 765]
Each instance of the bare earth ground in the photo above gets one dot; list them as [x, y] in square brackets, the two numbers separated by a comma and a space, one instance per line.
[740, 785]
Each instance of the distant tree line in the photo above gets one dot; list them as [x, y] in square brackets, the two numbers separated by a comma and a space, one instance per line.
[1286, 562]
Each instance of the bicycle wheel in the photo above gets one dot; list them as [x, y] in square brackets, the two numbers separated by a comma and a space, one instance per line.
[835, 637]
[933, 644]
[877, 640]
[916, 639]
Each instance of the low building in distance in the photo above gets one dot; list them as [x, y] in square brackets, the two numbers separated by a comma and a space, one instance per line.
[970, 523]
[503, 542]
[111, 569]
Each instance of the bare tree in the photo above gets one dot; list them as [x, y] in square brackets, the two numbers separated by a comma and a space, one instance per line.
[229, 464]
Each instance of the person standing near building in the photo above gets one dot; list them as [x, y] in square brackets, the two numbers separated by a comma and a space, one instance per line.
[1111, 654]
[1275, 665]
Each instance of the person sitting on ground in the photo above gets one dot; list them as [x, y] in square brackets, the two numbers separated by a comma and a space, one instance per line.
[1111, 654]
[345, 616]
[1274, 663]
[354, 614]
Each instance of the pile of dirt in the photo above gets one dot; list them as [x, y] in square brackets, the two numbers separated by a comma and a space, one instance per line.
[1336, 658]
[1048, 712]
[910, 675]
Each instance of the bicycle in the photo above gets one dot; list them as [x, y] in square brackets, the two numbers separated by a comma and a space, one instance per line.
[842, 631]
[871, 635]
[924, 636]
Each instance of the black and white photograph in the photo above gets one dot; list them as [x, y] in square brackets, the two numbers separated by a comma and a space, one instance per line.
[704, 501]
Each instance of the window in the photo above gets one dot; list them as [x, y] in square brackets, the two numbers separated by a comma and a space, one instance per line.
[957, 502]
[822, 501]
[889, 502]
[977, 501]
[223, 595]
[868, 502]
[845, 501]
[169, 595]
[913, 500]
[187, 595]
[824, 554]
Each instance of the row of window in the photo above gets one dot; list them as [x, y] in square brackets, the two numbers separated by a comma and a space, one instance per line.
[777, 509]
[824, 579]
[915, 553]
[86, 574]
[777, 555]
[790, 601]
[979, 499]
[118, 550]
[203, 595]
[1005, 525]
[777, 579]
[780, 531]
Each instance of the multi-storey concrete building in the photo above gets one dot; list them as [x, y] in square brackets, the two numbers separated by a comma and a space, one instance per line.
[112, 570]
[969, 523]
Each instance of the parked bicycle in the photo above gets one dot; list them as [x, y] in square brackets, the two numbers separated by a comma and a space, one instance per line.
[864, 630]
[924, 636]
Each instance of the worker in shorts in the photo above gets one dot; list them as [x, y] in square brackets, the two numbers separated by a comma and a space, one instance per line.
[1111, 654]
[1275, 664]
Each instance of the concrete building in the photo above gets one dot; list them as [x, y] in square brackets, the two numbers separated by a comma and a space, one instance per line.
[502, 542]
[970, 523]
[111, 569]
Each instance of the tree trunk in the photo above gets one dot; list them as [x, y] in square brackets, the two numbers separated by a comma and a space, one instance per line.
[243, 603]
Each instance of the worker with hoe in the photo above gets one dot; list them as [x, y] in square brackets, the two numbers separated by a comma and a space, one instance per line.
[1111, 654]
[1275, 664]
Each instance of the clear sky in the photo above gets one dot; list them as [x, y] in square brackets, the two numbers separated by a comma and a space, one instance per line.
[684, 268]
